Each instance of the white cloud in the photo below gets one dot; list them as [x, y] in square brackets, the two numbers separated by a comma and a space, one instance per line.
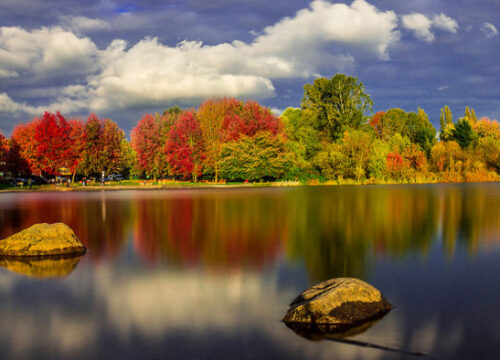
[151, 73]
[8, 74]
[445, 22]
[82, 24]
[45, 51]
[489, 30]
[421, 25]
[65, 104]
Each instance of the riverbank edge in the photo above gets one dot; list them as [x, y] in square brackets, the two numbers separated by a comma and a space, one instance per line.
[204, 186]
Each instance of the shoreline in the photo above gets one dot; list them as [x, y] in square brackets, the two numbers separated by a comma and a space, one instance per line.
[198, 186]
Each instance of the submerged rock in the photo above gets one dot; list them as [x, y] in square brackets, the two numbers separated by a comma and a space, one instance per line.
[336, 306]
[41, 267]
[42, 240]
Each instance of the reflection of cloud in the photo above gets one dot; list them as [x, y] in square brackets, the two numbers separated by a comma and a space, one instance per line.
[72, 334]
[6, 282]
[159, 305]
[159, 302]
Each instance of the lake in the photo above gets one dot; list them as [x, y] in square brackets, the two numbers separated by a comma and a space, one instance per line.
[208, 274]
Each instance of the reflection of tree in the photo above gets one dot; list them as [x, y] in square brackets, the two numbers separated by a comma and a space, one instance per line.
[100, 224]
[214, 229]
[470, 215]
[335, 230]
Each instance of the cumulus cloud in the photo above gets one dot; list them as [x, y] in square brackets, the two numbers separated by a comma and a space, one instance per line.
[445, 22]
[65, 104]
[44, 51]
[82, 24]
[489, 30]
[8, 74]
[151, 73]
[421, 25]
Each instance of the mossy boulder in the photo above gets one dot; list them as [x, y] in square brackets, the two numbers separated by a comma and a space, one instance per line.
[42, 240]
[336, 305]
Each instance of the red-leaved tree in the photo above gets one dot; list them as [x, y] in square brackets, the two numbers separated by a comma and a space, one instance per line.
[24, 137]
[4, 151]
[148, 140]
[185, 148]
[58, 143]
[248, 119]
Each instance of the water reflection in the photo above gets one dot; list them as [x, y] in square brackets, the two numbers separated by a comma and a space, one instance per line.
[41, 267]
[334, 231]
[209, 274]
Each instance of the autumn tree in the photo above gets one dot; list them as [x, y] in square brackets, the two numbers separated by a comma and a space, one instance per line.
[102, 146]
[16, 164]
[24, 136]
[185, 148]
[340, 103]
[130, 166]
[211, 115]
[148, 140]
[246, 119]
[377, 124]
[263, 156]
[446, 122]
[347, 158]
[4, 151]
[57, 143]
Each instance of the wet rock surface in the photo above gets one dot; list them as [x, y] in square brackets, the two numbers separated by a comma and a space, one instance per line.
[42, 240]
[336, 306]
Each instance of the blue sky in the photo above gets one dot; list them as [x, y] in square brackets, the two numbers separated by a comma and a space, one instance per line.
[121, 59]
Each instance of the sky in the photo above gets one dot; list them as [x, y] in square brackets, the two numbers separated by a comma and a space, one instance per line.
[122, 59]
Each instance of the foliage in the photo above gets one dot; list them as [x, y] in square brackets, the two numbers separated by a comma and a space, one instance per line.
[329, 138]
[348, 158]
[463, 133]
[303, 141]
[24, 136]
[102, 147]
[340, 103]
[4, 152]
[246, 119]
[58, 143]
[211, 115]
[185, 148]
[263, 156]
[148, 139]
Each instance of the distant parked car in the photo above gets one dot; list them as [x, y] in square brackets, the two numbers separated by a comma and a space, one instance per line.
[115, 177]
[20, 181]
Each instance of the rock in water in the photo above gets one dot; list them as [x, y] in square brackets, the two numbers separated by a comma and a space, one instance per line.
[336, 305]
[42, 240]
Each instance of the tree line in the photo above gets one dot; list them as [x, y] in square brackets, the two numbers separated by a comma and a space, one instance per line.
[333, 137]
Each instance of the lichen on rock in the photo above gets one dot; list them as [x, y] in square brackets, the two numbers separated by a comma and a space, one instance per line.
[42, 240]
[336, 305]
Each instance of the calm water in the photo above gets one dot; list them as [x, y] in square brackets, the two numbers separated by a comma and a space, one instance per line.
[208, 274]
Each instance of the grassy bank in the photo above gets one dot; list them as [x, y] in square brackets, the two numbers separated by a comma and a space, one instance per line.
[171, 184]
